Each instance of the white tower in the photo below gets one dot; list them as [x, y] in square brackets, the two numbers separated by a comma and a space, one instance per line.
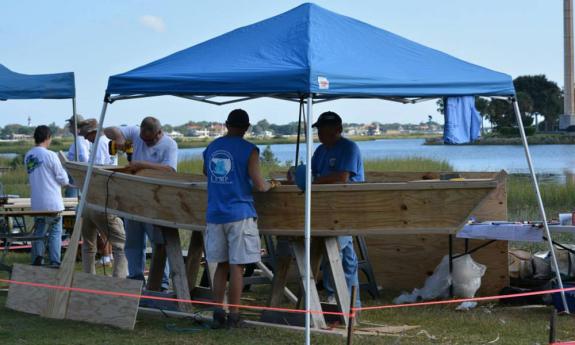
[568, 117]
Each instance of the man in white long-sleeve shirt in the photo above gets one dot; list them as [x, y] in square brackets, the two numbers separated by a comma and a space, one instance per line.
[46, 177]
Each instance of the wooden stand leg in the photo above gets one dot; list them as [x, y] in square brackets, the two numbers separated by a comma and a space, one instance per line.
[211, 266]
[318, 320]
[177, 267]
[279, 280]
[157, 267]
[337, 275]
[270, 275]
[316, 254]
[193, 262]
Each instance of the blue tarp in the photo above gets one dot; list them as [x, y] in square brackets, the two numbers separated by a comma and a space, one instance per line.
[311, 50]
[23, 86]
[462, 120]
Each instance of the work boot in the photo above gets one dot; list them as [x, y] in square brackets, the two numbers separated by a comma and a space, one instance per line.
[234, 321]
[219, 319]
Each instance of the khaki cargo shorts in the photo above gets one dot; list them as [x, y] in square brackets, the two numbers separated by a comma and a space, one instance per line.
[237, 242]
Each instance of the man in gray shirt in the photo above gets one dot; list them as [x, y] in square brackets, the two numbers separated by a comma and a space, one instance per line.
[152, 150]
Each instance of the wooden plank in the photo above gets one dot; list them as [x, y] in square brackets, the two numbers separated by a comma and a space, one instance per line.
[337, 275]
[108, 310]
[317, 320]
[57, 300]
[177, 267]
[279, 281]
[402, 206]
[269, 274]
[157, 266]
[193, 260]
[212, 267]
[404, 262]
[195, 316]
[29, 299]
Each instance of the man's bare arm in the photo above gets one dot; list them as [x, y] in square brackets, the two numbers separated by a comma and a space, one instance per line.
[255, 173]
[114, 133]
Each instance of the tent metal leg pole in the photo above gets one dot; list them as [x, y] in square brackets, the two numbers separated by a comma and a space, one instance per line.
[540, 202]
[86, 185]
[309, 150]
[75, 116]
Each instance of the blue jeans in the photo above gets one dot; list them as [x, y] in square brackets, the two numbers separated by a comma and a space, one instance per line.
[52, 226]
[350, 268]
[70, 192]
[135, 249]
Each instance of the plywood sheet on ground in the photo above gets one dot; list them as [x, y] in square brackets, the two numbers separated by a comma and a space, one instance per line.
[114, 311]
[29, 299]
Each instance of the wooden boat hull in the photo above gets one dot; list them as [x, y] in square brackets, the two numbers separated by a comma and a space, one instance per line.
[401, 207]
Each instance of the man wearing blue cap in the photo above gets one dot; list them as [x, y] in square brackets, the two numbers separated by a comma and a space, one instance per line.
[338, 160]
[232, 240]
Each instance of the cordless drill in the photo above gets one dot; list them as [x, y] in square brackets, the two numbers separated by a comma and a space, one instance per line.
[128, 149]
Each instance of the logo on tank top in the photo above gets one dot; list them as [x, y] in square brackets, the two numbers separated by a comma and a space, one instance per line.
[332, 162]
[221, 163]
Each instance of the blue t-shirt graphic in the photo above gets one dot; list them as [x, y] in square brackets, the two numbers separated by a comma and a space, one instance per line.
[343, 156]
[230, 195]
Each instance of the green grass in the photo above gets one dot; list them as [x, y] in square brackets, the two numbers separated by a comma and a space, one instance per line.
[416, 164]
[442, 323]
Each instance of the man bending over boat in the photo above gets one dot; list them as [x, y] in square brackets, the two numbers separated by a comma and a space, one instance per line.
[108, 226]
[152, 150]
[338, 160]
[232, 239]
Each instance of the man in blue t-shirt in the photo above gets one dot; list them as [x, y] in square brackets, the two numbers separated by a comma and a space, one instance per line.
[338, 160]
[232, 240]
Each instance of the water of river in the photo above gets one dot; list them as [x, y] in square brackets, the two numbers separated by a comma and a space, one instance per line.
[548, 159]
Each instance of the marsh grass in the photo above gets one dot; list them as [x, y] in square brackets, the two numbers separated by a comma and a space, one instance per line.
[416, 164]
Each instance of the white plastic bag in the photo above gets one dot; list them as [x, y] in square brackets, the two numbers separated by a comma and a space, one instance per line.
[466, 276]
[466, 281]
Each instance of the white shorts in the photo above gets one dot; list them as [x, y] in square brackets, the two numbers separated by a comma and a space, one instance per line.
[237, 242]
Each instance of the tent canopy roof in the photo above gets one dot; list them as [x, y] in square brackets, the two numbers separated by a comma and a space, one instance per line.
[24, 86]
[310, 50]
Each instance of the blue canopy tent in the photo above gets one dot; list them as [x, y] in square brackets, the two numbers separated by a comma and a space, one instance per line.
[39, 86]
[312, 54]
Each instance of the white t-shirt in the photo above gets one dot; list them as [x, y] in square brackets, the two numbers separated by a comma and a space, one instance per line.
[46, 176]
[103, 154]
[165, 152]
[83, 150]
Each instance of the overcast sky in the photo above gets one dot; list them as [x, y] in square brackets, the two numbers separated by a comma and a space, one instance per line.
[96, 39]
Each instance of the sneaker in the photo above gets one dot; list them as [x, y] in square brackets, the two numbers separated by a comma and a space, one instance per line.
[331, 299]
[235, 321]
[219, 319]
[105, 261]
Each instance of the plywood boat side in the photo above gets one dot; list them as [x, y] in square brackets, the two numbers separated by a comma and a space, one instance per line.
[402, 207]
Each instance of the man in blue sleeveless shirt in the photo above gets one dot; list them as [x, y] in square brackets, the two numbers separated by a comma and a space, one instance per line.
[338, 160]
[232, 240]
